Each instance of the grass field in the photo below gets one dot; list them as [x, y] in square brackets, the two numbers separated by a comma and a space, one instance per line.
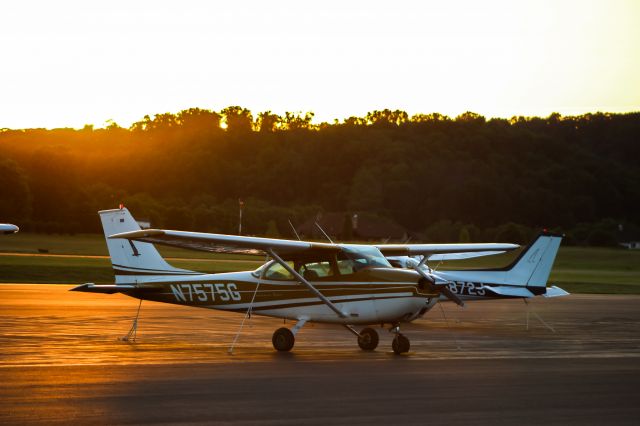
[35, 258]
[580, 269]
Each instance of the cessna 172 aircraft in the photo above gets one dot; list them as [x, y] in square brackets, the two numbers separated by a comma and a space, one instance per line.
[345, 284]
[7, 228]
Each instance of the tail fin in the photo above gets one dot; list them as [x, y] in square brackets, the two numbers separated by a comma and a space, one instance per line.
[133, 261]
[533, 266]
[526, 276]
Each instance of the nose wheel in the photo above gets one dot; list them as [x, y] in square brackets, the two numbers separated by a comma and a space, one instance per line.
[400, 344]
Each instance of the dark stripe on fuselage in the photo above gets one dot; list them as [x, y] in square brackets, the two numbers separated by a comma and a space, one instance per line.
[314, 303]
[163, 273]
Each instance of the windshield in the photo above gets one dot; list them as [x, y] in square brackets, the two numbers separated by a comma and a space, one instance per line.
[359, 257]
[273, 271]
[350, 259]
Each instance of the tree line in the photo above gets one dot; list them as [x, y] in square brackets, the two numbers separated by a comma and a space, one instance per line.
[441, 178]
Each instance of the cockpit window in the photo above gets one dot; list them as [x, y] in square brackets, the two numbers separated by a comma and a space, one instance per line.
[314, 270]
[360, 257]
[309, 270]
[350, 260]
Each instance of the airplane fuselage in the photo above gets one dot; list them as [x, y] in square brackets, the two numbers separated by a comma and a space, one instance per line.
[381, 295]
[348, 284]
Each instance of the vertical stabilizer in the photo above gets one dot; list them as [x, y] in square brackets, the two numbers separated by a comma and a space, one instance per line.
[533, 266]
[133, 261]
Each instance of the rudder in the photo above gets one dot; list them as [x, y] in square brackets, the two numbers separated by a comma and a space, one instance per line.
[133, 261]
[533, 267]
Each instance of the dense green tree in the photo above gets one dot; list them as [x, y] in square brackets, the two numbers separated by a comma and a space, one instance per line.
[464, 236]
[387, 117]
[297, 121]
[237, 119]
[429, 173]
[268, 122]
[15, 195]
[365, 192]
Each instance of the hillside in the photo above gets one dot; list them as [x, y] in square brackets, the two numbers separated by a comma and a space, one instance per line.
[186, 171]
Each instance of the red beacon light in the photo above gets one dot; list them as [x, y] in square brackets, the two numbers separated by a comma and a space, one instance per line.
[121, 206]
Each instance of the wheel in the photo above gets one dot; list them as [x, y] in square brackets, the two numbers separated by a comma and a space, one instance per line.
[283, 339]
[368, 339]
[400, 344]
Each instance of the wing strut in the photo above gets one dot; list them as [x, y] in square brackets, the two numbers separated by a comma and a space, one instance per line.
[302, 280]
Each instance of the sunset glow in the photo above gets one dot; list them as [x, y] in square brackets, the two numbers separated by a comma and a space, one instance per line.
[69, 63]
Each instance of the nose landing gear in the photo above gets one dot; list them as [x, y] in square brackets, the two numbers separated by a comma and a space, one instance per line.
[400, 343]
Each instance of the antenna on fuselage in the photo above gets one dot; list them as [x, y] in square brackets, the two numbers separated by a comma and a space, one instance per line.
[325, 234]
[294, 230]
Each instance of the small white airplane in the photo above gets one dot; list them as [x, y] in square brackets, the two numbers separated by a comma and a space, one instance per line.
[7, 228]
[345, 284]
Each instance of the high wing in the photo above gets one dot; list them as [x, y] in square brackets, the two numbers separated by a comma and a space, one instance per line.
[282, 250]
[462, 256]
[238, 244]
[219, 243]
[279, 250]
[431, 249]
[408, 261]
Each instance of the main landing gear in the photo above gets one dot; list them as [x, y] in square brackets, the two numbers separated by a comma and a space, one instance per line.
[284, 339]
[368, 339]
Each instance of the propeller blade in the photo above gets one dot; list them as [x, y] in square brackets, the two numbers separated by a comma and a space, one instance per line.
[446, 291]
[439, 285]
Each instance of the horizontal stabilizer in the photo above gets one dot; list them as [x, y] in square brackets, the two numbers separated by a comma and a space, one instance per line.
[103, 288]
[554, 291]
[509, 291]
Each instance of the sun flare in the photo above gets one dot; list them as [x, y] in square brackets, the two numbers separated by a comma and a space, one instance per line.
[70, 63]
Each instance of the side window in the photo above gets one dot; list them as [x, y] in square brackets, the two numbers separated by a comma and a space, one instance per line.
[277, 272]
[315, 270]
[346, 267]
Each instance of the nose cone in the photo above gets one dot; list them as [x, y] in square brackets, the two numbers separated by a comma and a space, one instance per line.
[6, 228]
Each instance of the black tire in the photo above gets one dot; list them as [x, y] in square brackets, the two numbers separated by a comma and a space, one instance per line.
[283, 339]
[400, 344]
[368, 339]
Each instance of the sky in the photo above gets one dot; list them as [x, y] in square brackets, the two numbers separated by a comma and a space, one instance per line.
[69, 63]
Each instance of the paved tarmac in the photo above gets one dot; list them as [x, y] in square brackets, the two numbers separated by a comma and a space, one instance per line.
[61, 362]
